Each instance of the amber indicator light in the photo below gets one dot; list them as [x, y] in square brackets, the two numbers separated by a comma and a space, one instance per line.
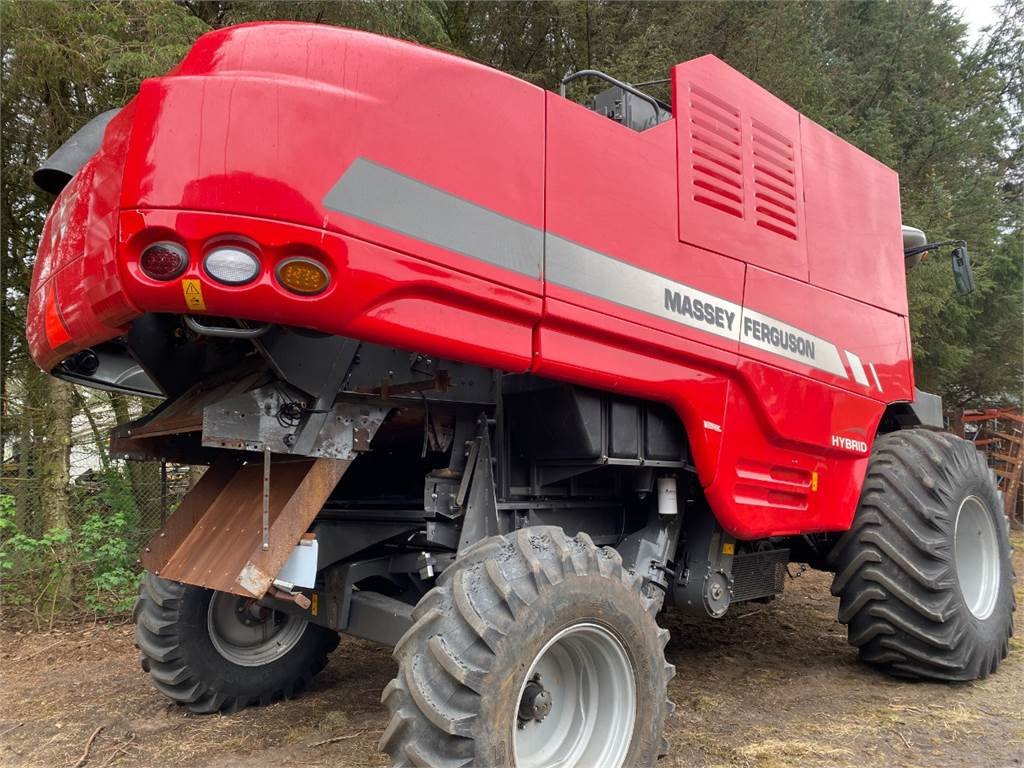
[303, 276]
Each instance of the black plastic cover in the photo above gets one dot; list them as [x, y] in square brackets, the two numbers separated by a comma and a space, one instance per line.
[60, 167]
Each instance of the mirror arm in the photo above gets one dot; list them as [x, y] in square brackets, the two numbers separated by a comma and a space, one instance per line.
[931, 247]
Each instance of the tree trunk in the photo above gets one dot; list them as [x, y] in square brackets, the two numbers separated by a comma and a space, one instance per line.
[25, 494]
[53, 456]
[98, 435]
[143, 476]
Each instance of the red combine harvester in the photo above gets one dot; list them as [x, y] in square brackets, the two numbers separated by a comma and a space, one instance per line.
[494, 377]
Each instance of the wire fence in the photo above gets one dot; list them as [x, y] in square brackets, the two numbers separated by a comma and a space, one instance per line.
[72, 547]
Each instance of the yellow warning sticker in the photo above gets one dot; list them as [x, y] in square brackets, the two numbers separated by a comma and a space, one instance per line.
[193, 291]
[814, 481]
[313, 604]
[728, 548]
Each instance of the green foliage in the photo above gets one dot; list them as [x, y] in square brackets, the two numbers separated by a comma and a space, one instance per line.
[107, 545]
[99, 551]
[29, 560]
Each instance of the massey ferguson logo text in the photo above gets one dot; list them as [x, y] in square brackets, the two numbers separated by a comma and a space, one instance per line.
[778, 338]
[701, 311]
[838, 441]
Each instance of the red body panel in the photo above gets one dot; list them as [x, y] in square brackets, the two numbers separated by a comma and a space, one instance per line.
[465, 213]
[740, 179]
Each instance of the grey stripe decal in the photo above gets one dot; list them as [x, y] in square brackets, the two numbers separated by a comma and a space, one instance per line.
[779, 338]
[378, 195]
[581, 269]
[858, 369]
[389, 199]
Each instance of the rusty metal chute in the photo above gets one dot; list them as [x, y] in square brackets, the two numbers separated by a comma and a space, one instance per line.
[216, 537]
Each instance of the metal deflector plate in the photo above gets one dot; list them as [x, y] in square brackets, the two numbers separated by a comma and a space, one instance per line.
[215, 537]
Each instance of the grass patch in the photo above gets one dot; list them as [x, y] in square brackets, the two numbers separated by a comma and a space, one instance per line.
[783, 753]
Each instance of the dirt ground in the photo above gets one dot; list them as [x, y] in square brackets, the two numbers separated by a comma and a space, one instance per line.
[769, 686]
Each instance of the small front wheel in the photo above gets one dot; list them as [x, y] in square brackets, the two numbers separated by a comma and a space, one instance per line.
[533, 650]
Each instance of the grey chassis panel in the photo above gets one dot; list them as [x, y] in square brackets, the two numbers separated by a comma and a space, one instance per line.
[251, 422]
[924, 411]
[116, 371]
[377, 617]
[928, 409]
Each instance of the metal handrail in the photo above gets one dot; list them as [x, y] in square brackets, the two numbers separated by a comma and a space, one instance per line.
[225, 333]
[608, 78]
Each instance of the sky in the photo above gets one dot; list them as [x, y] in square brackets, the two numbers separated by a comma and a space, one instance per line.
[977, 13]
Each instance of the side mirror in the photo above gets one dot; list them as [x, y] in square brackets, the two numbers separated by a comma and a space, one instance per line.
[962, 275]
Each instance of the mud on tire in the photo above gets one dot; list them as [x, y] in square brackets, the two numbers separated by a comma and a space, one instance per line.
[910, 609]
[465, 661]
[172, 632]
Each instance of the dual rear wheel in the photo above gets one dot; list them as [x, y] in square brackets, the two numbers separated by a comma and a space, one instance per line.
[533, 650]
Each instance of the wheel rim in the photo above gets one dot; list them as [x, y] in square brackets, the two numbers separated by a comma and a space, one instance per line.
[588, 713]
[248, 634]
[976, 553]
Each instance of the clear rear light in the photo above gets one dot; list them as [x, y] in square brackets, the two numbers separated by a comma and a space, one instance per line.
[232, 265]
[163, 260]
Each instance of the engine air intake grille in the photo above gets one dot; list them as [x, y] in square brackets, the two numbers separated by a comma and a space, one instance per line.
[733, 156]
[775, 191]
[716, 154]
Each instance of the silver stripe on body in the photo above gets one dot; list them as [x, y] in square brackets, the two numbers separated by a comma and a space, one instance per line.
[874, 375]
[858, 369]
[574, 266]
[389, 199]
[791, 342]
[581, 269]
[381, 196]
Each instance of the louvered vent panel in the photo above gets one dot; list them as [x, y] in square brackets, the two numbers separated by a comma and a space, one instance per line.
[775, 191]
[716, 153]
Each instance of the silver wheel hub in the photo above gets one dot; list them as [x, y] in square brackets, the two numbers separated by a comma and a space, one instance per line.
[976, 555]
[248, 634]
[577, 706]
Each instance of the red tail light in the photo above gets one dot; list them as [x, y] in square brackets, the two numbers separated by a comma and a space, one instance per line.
[163, 261]
[56, 332]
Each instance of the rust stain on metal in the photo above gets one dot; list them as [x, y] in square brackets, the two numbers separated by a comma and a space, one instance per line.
[254, 581]
[218, 542]
[188, 515]
[360, 439]
[186, 413]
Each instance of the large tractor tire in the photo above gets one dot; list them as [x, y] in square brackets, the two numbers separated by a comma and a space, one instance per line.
[924, 577]
[216, 652]
[533, 649]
